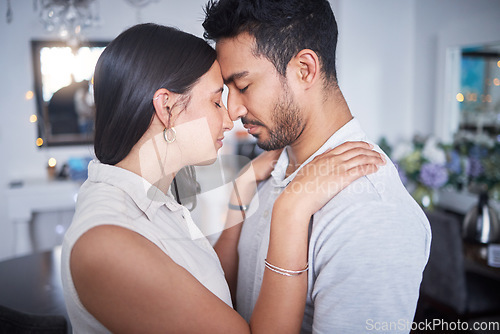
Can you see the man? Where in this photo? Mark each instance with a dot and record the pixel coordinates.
(370, 243)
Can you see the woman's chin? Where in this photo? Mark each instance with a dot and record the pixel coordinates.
(207, 162)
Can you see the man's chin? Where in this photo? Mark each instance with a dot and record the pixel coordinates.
(266, 145)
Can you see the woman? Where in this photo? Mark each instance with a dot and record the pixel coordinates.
(133, 260)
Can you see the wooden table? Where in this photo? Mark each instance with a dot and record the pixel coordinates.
(32, 284)
(475, 256)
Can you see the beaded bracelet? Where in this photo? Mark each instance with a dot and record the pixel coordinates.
(285, 272)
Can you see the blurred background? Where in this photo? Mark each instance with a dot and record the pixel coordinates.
(422, 77)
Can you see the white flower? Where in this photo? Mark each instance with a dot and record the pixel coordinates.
(485, 140)
(433, 152)
(402, 150)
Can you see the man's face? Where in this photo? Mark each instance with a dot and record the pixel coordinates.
(258, 94)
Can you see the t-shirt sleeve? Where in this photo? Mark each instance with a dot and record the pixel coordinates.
(367, 269)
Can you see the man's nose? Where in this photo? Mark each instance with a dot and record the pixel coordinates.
(235, 106)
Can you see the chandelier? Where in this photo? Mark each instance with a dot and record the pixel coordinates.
(139, 4)
(68, 17)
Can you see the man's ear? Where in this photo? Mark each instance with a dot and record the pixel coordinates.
(163, 102)
(306, 67)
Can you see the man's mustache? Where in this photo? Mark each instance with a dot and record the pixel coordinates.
(251, 122)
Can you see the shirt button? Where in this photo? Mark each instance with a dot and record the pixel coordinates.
(266, 214)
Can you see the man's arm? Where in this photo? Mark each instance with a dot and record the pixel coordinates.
(367, 268)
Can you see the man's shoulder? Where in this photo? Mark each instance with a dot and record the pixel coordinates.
(377, 204)
(381, 191)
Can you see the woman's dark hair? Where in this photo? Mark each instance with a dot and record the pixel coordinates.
(141, 60)
(281, 29)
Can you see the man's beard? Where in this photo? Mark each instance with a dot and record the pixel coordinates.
(287, 123)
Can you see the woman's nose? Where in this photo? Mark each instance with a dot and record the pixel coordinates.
(227, 123)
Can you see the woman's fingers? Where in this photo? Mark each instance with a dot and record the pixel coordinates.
(351, 145)
(331, 162)
(359, 171)
(329, 173)
(361, 160)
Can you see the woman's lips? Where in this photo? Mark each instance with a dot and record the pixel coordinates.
(219, 141)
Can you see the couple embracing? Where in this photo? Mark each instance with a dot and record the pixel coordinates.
(334, 240)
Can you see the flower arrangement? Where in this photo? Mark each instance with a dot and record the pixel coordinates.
(479, 158)
(425, 165)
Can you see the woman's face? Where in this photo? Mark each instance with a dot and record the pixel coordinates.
(201, 126)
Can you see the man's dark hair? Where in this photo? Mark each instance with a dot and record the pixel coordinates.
(281, 29)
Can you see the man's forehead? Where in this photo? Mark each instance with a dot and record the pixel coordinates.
(242, 45)
(234, 62)
(236, 56)
(242, 40)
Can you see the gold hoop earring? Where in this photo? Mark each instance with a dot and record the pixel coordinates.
(169, 135)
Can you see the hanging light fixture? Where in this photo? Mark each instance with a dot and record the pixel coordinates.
(139, 4)
(9, 12)
(68, 17)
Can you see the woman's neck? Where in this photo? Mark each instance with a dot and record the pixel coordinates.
(151, 160)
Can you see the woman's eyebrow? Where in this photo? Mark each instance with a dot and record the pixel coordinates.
(219, 90)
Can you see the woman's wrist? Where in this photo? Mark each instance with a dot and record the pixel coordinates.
(290, 216)
(292, 205)
(288, 238)
(244, 188)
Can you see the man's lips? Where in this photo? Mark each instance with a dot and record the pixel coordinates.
(251, 128)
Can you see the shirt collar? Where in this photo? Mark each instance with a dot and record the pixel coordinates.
(349, 132)
(145, 195)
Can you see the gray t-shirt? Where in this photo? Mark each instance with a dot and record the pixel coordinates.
(368, 248)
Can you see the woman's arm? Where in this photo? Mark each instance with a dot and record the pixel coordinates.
(244, 188)
(131, 286)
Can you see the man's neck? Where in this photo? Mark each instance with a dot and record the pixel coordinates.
(331, 116)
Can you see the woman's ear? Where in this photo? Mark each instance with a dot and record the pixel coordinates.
(163, 102)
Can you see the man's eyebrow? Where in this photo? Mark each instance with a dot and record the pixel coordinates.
(235, 76)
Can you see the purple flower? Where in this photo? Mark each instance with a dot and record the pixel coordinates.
(478, 152)
(433, 175)
(475, 167)
(455, 164)
(402, 174)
